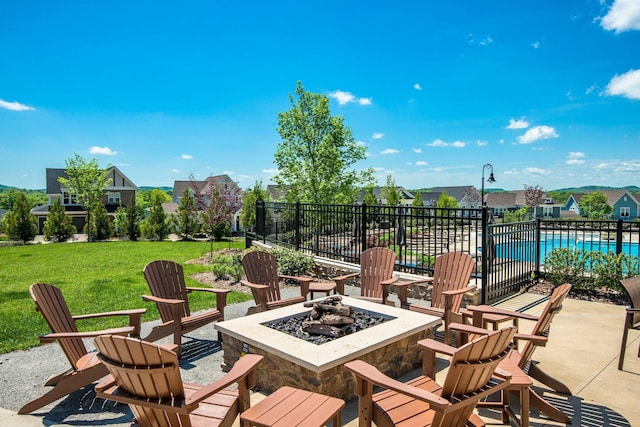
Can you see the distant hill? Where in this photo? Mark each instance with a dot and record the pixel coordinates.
(585, 189)
(148, 188)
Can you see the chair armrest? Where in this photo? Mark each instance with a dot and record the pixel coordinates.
(459, 291)
(386, 284)
(253, 285)
(362, 370)
(159, 300)
(538, 340)
(135, 317)
(501, 311)
(304, 283)
(242, 369)
(259, 294)
(403, 287)
(55, 336)
(633, 310)
(430, 348)
(340, 281)
(221, 296)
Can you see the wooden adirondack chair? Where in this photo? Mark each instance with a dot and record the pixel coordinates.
(85, 366)
(376, 275)
(450, 281)
(422, 401)
(632, 320)
(169, 292)
(261, 269)
(146, 376)
(520, 363)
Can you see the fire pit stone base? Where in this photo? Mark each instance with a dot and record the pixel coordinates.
(395, 359)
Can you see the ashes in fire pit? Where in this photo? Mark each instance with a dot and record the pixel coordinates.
(329, 319)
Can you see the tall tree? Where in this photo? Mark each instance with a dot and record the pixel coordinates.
(100, 226)
(58, 226)
(533, 197)
(187, 219)
(417, 200)
(595, 206)
(19, 222)
(446, 201)
(390, 192)
(156, 226)
(86, 182)
(249, 199)
(317, 153)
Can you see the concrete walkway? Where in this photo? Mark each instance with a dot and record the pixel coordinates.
(582, 352)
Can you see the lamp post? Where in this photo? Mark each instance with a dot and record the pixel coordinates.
(490, 180)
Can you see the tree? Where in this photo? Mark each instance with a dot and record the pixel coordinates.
(8, 197)
(187, 219)
(156, 227)
(519, 215)
(446, 201)
(128, 221)
(19, 223)
(533, 197)
(594, 206)
(417, 200)
(473, 197)
(144, 198)
(249, 200)
(100, 226)
(86, 182)
(390, 192)
(58, 226)
(317, 153)
(217, 215)
(369, 197)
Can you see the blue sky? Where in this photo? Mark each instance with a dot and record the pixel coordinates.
(546, 91)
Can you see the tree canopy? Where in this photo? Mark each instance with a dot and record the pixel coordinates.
(595, 206)
(317, 153)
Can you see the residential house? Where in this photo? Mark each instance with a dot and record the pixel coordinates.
(406, 198)
(466, 195)
(202, 191)
(501, 202)
(120, 192)
(626, 205)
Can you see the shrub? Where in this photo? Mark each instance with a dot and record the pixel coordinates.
(291, 262)
(58, 226)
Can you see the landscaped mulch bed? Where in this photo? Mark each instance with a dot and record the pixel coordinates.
(544, 287)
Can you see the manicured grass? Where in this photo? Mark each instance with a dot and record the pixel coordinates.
(93, 277)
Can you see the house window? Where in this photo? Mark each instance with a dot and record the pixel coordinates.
(625, 212)
(547, 211)
(113, 197)
(68, 199)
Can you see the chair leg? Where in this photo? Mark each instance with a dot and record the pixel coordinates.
(547, 408)
(544, 378)
(623, 347)
(65, 386)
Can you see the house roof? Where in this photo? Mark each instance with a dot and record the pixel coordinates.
(115, 175)
(501, 199)
(205, 187)
(377, 192)
(458, 192)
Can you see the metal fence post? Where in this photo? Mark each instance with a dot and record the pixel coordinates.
(296, 226)
(538, 246)
(485, 255)
(619, 237)
(363, 227)
(260, 221)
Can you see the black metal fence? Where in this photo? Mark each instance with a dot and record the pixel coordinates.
(509, 256)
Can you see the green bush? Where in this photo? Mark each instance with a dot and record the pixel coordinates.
(590, 269)
(224, 266)
(291, 262)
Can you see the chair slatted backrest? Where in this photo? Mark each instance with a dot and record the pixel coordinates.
(632, 287)
(376, 265)
(148, 371)
(543, 325)
(452, 271)
(166, 280)
(53, 307)
(261, 268)
(471, 369)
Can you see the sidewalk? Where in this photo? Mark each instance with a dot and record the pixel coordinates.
(582, 352)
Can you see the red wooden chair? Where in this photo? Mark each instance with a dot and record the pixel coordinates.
(376, 275)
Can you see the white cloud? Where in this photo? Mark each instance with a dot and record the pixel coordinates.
(438, 143)
(576, 158)
(627, 167)
(627, 85)
(175, 171)
(518, 124)
(482, 143)
(417, 150)
(421, 163)
(389, 151)
(377, 135)
(417, 86)
(344, 98)
(624, 15)
(270, 171)
(537, 133)
(535, 45)
(186, 156)
(105, 151)
(536, 171)
(14, 106)
(230, 173)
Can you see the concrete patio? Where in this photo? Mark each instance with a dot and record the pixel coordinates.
(582, 352)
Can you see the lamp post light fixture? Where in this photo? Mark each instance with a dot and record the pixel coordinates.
(490, 180)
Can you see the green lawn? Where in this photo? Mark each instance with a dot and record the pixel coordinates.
(93, 277)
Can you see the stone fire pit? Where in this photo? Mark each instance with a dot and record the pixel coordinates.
(391, 346)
